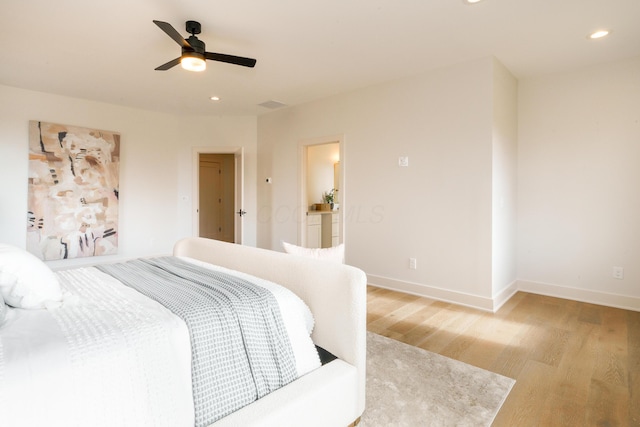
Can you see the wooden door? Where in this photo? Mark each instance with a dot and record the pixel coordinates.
(216, 196)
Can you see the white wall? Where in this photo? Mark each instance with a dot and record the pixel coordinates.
(530, 185)
(579, 184)
(438, 210)
(155, 170)
(504, 193)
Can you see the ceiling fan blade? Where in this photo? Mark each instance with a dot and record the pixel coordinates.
(170, 64)
(173, 33)
(231, 59)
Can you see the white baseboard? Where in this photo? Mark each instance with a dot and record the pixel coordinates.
(460, 298)
(582, 295)
(505, 295)
(494, 303)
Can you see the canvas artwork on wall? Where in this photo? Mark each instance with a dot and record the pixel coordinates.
(73, 191)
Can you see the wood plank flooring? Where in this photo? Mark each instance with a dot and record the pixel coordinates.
(575, 364)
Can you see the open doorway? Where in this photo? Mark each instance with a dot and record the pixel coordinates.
(321, 174)
(218, 193)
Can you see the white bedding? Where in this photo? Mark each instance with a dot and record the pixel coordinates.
(110, 356)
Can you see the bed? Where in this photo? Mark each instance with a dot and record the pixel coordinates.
(97, 351)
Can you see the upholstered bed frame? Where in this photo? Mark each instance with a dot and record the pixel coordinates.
(333, 395)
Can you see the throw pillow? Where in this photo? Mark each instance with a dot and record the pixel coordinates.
(26, 281)
(333, 254)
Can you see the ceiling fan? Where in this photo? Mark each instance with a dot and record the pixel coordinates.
(193, 50)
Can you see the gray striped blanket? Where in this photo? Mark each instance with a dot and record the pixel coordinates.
(240, 348)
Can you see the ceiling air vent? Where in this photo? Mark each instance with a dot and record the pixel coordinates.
(272, 105)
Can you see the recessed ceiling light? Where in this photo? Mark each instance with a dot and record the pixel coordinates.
(214, 98)
(472, 1)
(599, 34)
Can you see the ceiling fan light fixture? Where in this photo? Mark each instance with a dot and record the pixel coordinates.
(192, 61)
(599, 34)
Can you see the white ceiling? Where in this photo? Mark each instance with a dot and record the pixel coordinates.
(107, 50)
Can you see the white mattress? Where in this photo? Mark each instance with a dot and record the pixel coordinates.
(110, 356)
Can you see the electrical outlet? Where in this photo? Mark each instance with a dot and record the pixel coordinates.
(403, 161)
(618, 273)
(413, 264)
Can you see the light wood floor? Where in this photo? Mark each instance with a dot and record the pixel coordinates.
(575, 364)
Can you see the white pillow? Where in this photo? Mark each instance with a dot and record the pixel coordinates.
(25, 281)
(333, 254)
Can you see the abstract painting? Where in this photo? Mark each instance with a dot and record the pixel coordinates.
(73, 191)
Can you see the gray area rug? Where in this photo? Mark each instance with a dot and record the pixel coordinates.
(409, 386)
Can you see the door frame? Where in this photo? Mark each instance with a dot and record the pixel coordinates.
(238, 155)
(303, 146)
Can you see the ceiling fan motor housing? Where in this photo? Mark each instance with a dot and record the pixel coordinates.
(197, 46)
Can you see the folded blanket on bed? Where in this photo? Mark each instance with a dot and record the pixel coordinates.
(240, 350)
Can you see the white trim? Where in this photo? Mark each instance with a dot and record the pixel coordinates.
(238, 153)
(504, 295)
(498, 300)
(460, 298)
(583, 295)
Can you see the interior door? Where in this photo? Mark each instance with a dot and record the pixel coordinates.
(217, 196)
